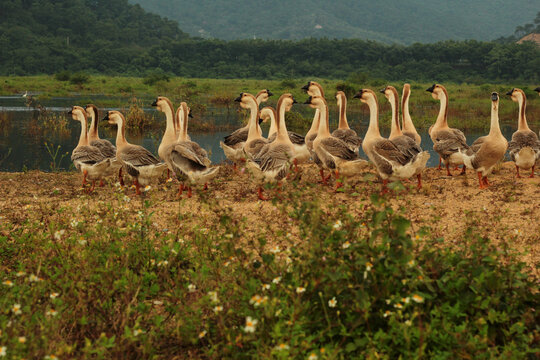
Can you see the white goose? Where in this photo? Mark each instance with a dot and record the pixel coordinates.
(138, 162)
(524, 148)
(393, 160)
(87, 159)
(488, 150)
(329, 152)
(237, 138)
(407, 126)
(449, 143)
(313, 88)
(105, 146)
(344, 132)
(272, 162)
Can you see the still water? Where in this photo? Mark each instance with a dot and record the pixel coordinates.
(22, 141)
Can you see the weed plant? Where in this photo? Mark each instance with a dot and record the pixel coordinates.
(102, 281)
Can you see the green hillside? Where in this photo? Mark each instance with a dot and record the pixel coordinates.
(390, 21)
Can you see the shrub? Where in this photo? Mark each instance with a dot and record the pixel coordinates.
(287, 84)
(347, 88)
(63, 75)
(79, 78)
(156, 76)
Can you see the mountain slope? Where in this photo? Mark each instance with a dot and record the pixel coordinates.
(390, 21)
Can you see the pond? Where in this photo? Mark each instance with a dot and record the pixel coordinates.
(23, 142)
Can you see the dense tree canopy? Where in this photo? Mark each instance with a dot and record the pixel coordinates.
(113, 37)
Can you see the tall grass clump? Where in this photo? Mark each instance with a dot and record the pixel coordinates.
(104, 281)
(136, 118)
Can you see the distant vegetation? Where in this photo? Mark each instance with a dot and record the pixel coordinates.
(76, 38)
(389, 21)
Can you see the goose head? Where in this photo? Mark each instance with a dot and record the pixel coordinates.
(267, 114)
(91, 111)
(537, 90)
(341, 98)
(186, 109)
(263, 95)
(162, 103)
(516, 94)
(246, 100)
(114, 117)
(286, 100)
(313, 88)
(436, 90)
(495, 100)
(365, 95)
(315, 102)
(390, 93)
(77, 113)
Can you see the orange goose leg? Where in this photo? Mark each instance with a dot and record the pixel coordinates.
(448, 170)
(517, 171)
(180, 190)
(137, 187)
(120, 177)
(532, 172)
(85, 174)
(481, 183)
(419, 177)
(440, 162)
(260, 194)
(189, 192)
(339, 184)
(463, 170)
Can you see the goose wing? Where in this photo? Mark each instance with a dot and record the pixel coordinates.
(338, 148)
(236, 137)
(255, 146)
(87, 155)
(388, 150)
(295, 138)
(105, 146)
(349, 136)
(448, 142)
(407, 146)
(136, 155)
(274, 158)
(182, 158)
(521, 139)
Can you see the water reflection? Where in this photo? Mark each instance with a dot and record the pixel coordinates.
(20, 131)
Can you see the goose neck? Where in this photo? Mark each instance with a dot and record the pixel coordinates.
(323, 121)
(343, 124)
(254, 130)
(442, 118)
(373, 128)
(522, 123)
(83, 138)
(394, 125)
(495, 128)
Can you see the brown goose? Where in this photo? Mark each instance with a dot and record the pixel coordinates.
(105, 146)
(272, 162)
(313, 88)
(487, 150)
(300, 149)
(87, 158)
(449, 143)
(238, 137)
(343, 131)
(407, 124)
(524, 148)
(392, 160)
(330, 152)
(181, 112)
(138, 162)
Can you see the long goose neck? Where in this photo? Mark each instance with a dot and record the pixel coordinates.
(273, 124)
(83, 138)
(179, 119)
(394, 126)
(406, 116)
(323, 122)
(442, 118)
(522, 124)
(315, 123)
(121, 134)
(186, 123)
(373, 128)
(254, 130)
(343, 124)
(282, 135)
(495, 128)
(169, 124)
(93, 133)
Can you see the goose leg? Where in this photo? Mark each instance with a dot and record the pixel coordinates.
(120, 177)
(205, 186)
(324, 179)
(463, 170)
(339, 184)
(384, 186)
(440, 161)
(486, 182)
(92, 187)
(137, 187)
(532, 172)
(189, 192)
(481, 184)
(517, 171)
(448, 170)
(260, 194)
(180, 190)
(295, 162)
(419, 177)
(85, 174)
(101, 183)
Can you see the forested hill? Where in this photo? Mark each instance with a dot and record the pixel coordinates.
(389, 21)
(41, 36)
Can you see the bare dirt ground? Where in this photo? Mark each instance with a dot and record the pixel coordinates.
(507, 212)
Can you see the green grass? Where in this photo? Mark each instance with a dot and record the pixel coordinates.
(105, 282)
(469, 106)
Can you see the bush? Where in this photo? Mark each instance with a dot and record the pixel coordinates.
(79, 78)
(287, 84)
(347, 88)
(63, 75)
(156, 76)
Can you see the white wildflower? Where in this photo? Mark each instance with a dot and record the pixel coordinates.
(332, 302)
(250, 324)
(337, 225)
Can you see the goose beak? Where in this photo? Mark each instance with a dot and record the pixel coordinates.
(430, 89)
(70, 112)
(269, 92)
(190, 116)
(294, 101)
(154, 103)
(260, 121)
(358, 95)
(537, 89)
(382, 91)
(106, 117)
(494, 96)
(308, 101)
(510, 92)
(305, 87)
(238, 99)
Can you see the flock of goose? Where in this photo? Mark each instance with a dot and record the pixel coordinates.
(273, 158)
